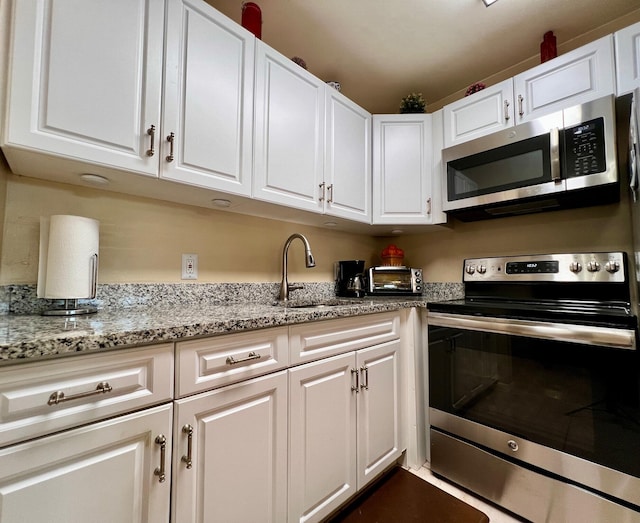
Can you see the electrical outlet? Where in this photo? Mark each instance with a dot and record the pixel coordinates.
(189, 266)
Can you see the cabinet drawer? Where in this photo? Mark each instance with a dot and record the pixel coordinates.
(212, 362)
(42, 398)
(311, 341)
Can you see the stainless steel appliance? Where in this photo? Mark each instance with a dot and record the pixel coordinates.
(394, 280)
(350, 278)
(534, 386)
(564, 159)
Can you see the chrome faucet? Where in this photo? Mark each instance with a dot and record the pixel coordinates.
(309, 262)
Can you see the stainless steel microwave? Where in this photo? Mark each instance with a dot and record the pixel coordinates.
(564, 159)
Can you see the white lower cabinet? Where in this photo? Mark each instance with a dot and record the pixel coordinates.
(343, 427)
(230, 453)
(105, 472)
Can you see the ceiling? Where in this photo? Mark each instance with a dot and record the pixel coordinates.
(381, 50)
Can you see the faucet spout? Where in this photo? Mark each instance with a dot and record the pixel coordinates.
(309, 262)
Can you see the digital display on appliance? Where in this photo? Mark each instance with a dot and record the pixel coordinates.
(585, 148)
(532, 267)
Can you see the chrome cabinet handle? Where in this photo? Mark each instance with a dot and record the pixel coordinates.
(330, 189)
(170, 139)
(151, 131)
(160, 472)
(252, 356)
(506, 111)
(321, 199)
(428, 206)
(520, 104)
(59, 397)
(365, 373)
(356, 389)
(188, 430)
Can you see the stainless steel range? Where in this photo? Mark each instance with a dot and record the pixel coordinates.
(534, 387)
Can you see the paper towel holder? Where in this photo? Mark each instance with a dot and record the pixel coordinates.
(70, 306)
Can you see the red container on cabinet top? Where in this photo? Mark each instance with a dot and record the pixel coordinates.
(252, 18)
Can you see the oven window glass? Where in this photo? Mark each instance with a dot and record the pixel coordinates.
(512, 166)
(578, 399)
(392, 280)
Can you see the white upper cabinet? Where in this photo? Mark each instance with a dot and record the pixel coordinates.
(85, 80)
(208, 110)
(288, 132)
(347, 166)
(579, 76)
(576, 77)
(627, 44)
(479, 114)
(402, 169)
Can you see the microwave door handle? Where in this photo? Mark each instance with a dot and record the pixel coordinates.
(554, 142)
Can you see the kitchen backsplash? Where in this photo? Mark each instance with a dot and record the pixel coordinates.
(22, 299)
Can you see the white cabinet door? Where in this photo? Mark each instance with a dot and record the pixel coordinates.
(208, 99)
(238, 445)
(102, 473)
(378, 410)
(627, 45)
(402, 163)
(347, 171)
(578, 76)
(322, 437)
(479, 114)
(288, 132)
(85, 80)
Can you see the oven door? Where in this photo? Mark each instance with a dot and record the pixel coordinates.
(569, 407)
(513, 164)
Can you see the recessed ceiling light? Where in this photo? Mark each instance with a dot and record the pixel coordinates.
(487, 3)
(221, 202)
(94, 179)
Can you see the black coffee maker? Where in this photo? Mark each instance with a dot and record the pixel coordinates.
(350, 278)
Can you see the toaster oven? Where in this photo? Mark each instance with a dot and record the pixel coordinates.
(391, 280)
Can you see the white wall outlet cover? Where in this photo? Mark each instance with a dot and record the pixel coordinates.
(189, 266)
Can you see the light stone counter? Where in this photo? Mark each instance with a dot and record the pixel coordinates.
(30, 336)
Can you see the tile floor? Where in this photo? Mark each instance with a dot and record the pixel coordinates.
(494, 513)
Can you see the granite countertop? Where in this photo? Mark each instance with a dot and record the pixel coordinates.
(28, 337)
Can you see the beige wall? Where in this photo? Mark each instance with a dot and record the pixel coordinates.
(441, 253)
(141, 240)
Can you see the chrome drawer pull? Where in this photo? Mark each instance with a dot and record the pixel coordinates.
(188, 430)
(59, 397)
(252, 356)
(162, 441)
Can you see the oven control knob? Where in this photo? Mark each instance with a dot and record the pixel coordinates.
(593, 266)
(513, 445)
(612, 266)
(575, 266)
(482, 269)
(470, 269)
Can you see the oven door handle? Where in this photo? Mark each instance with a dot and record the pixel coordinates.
(569, 332)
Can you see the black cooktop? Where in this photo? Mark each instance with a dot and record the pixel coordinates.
(583, 312)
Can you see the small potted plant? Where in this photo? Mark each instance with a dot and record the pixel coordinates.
(412, 103)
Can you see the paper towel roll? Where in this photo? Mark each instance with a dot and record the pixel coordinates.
(68, 254)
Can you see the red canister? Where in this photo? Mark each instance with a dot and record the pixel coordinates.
(548, 48)
(252, 18)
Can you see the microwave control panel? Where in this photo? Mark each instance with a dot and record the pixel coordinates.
(584, 148)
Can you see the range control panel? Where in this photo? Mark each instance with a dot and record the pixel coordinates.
(607, 267)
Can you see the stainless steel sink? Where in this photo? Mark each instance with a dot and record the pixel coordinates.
(324, 304)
